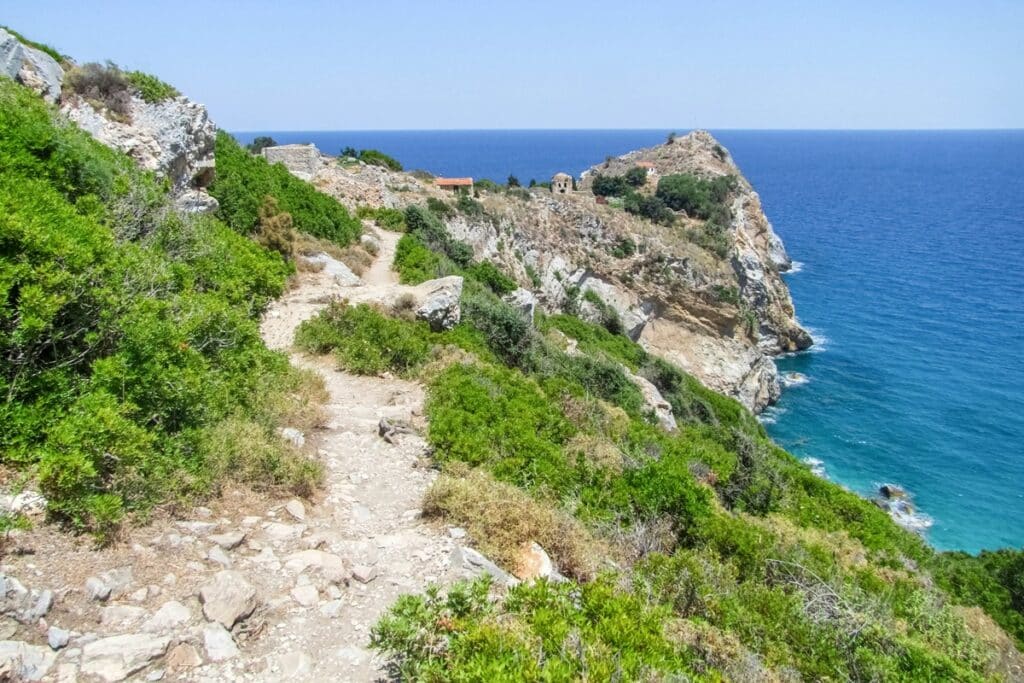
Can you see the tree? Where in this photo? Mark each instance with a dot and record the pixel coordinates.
(350, 152)
(671, 138)
(513, 181)
(636, 176)
(276, 232)
(261, 141)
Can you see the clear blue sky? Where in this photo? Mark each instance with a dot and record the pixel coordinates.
(387, 64)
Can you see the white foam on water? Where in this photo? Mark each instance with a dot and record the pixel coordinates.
(903, 511)
(794, 379)
(817, 467)
(795, 267)
(770, 415)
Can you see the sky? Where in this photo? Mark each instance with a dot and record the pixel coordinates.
(446, 64)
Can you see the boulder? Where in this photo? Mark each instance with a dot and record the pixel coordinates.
(332, 567)
(342, 274)
(306, 595)
(364, 573)
(171, 615)
(23, 662)
(477, 563)
(119, 616)
(183, 656)
(533, 563)
(524, 301)
(117, 657)
(296, 509)
(438, 302)
(228, 598)
(57, 637)
(110, 584)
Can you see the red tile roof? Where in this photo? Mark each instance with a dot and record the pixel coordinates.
(453, 182)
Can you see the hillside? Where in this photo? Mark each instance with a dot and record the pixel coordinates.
(495, 436)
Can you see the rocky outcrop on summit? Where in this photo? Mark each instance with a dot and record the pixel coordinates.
(30, 67)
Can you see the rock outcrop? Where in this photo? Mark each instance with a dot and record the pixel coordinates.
(174, 138)
(30, 66)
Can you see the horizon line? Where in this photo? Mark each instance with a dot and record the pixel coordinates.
(658, 130)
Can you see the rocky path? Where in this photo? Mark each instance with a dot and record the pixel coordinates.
(251, 589)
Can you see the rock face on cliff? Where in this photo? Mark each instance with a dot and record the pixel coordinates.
(718, 314)
(174, 138)
(30, 66)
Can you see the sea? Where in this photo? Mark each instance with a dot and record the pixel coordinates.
(909, 273)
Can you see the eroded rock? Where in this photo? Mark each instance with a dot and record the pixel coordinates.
(228, 598)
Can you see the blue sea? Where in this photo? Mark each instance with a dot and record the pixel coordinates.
(910, 251)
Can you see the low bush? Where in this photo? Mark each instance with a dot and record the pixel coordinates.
(259, 143)
(488, 274)
(365, 341)
(103, 85)
(377, 158)
(699, 198)
(541, 632)
(150, 88)
(500, 519)
(389, 219)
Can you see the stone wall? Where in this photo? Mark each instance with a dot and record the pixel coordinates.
(302, 160)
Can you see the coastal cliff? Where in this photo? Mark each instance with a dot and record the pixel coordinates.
(719, 313)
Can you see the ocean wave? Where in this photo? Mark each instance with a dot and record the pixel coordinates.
(817, 467)
(794, 379)
(897, 501)
(795, 267)
(770, 415)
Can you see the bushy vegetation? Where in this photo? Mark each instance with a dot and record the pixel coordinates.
(244, 181)
(129, 334)
(389, 219)
(150, 88)
(624, 187)
(102, 85)
(697, 197)
(373, 157)
(992, 579)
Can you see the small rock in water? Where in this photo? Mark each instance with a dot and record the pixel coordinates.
(892, 491)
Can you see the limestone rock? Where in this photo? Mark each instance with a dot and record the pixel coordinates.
(174, 138)
(219, 644)
(533, 563)
(117, 657)
(654, 401)
(342, 274)
(118, 616)
(109, 584)
(306, 595)
(229, 540)
(438, 302)
(30, 67)
(476, 562)
(183, 656)
(283, 532)
(331, 567)
(24, 662)
(524, 301)
(23, 503)
(364, 573)
(217, 554)
(296, 509)
(295, 664)
(171, 615)
(228, 598)
(57, 637)
(196, 201)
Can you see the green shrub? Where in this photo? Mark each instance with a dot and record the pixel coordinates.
(440, 208)
(699, 198)
(542, 632)
(469, 206)
(609, 186)
(414, 263)
(244, 180)
(389, 219)
(992, 579)
(150, 88)
(431, 232)
(635, 177)
(377, 158)
(487, 273)
(365, 341)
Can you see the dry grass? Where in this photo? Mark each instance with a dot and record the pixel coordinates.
(404, 306)
(500, 518)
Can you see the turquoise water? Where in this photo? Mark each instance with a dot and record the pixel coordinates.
(911, 245)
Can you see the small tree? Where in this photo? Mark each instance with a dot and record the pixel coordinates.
(261, 141)
(275, 231)
(636, 176)
(533, 182)
(671, 138)
(350, 152)
(513, 181)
